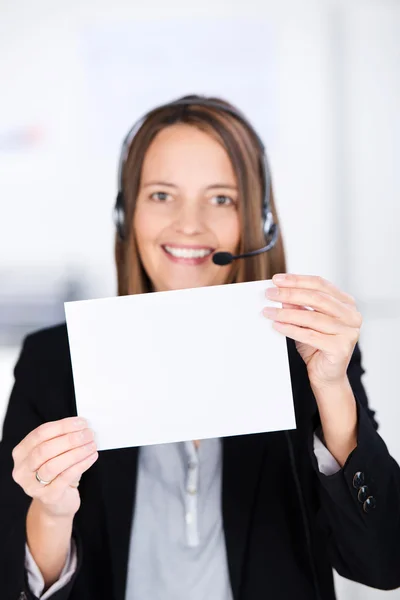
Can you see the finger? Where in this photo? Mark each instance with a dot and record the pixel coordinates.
(296, 306)
(46, 432)
(71, 477)
(67, 478)
(306, 318)
(315, 339)
(54, 467)
(319, 301)
(312, 282)
(57, 446)
(75, 484)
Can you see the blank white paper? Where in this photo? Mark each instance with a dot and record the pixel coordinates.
(180, 365)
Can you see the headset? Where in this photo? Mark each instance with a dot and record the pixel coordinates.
(269, 228)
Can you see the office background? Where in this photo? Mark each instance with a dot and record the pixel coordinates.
(320, 79)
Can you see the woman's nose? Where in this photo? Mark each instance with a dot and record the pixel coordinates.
(189, 220)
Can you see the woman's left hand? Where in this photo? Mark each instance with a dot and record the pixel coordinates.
(325, 336)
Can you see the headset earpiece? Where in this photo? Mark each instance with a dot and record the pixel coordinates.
(119, 216)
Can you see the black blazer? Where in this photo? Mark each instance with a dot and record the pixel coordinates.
(264, 529)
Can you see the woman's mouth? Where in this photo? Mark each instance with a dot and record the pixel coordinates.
(187, 255)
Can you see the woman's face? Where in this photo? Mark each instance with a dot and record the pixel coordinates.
(186, 209)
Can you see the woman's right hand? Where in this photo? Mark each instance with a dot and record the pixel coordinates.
(60, 452)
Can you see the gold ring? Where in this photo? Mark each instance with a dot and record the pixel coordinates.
(40, 480)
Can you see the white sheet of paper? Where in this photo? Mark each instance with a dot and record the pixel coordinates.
(181, 365)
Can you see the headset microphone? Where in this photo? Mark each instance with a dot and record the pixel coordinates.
(226, 258)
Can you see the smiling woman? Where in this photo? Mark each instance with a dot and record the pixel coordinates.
(266, 515)
(193, 184)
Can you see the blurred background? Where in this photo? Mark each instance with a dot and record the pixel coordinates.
(320, 79)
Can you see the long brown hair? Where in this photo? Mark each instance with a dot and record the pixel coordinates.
(247, 159)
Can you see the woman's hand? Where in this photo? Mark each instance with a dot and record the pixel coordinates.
(59, 452)
(325, 336)
(325, 339)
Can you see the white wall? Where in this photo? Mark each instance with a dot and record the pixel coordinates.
(67, 182)
(334, 150)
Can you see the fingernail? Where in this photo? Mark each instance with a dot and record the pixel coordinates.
(81, 423)
(272, 292)
(280, 277)
(269, 311)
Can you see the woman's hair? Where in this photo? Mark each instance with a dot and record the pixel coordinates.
(247, 160)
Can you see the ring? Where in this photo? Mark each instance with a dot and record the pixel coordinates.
(40, 480)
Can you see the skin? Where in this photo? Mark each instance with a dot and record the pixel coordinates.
(198, 210)
(61, 451)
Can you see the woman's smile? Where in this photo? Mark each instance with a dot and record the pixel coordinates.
(191, 255)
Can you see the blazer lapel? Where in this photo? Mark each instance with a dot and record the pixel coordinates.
(242, 460)
(118, 470)
(305, 406)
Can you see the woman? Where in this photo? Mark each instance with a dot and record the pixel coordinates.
(256, 516)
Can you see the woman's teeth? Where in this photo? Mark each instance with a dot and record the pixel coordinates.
(188, 252)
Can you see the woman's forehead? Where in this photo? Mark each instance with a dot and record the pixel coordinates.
(183, 151)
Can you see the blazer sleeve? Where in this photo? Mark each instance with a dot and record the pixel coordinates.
(22, 416)
(35, 578)
(360, 504)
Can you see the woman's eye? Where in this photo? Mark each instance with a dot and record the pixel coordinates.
(222, 200)
(159, 196)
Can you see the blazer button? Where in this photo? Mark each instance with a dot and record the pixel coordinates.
(358, 479)
(363, 493)
(369, 504)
